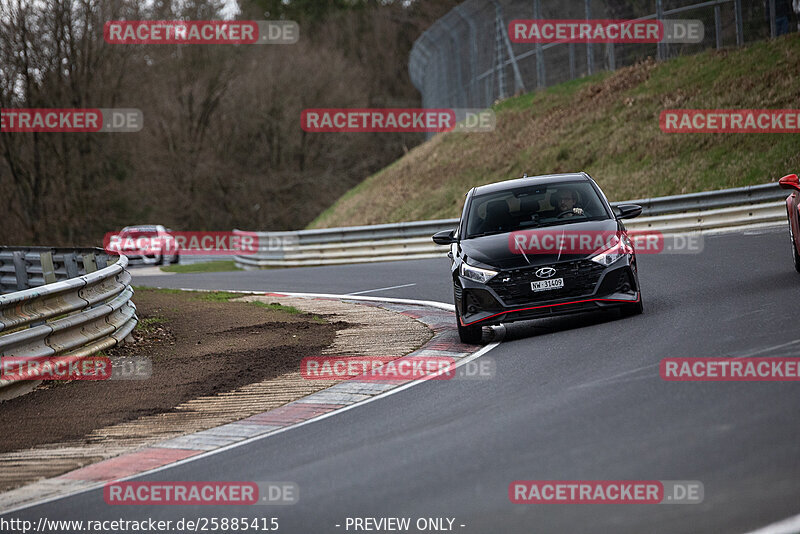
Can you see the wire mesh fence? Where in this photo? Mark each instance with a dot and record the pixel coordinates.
(468, 60)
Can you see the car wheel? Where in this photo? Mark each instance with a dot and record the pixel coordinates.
(470, 335)
(159, 259)
(629, 310)
(795, 255)
(176, 259)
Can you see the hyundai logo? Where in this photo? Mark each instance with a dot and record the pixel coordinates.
(545, 272)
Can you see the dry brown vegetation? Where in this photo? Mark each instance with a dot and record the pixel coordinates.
(222, 145)
(608, 126)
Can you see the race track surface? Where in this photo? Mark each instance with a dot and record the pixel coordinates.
(574, 398)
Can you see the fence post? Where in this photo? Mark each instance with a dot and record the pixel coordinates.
(589, 49)
(518, 84)
(612, 60)
(461, 95)
(773, 28)
(718, 26)
(473, 56)
(498, 48)
(571, 61)
(660, 16)
(541, 81)
(737, 9)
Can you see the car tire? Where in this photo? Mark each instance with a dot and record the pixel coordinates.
(796, 258)
(629, 310)
(159, 259)
(471, 335)
(176, 259)
(795, 255)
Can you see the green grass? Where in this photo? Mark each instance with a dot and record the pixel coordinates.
(215, 296)
(205, 267)
(606, 125)
(287, 309)
(146, 323)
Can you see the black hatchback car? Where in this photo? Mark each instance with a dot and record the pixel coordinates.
(537, 247)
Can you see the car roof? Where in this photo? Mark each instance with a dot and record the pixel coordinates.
(532, 180)
(143, 227)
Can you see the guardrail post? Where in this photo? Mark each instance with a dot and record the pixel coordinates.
(737, 10)
(71, 265)
(48, 271)
(718, 26)
(88, 263)
(20, 270)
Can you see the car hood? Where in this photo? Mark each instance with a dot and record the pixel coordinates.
(496, 250)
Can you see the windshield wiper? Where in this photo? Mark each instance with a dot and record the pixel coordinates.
(490, 233)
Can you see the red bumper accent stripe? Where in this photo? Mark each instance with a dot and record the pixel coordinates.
(548, 306)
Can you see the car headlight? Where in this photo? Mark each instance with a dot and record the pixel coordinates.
(476, 273)
(620, 246)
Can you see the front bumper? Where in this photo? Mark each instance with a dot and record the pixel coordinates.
(508, 297)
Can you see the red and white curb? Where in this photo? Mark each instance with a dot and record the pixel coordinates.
(346, 395)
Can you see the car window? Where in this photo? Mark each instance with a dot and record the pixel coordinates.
(534, 207)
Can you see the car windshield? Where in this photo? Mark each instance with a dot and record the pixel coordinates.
(534, 207)
(139, 232)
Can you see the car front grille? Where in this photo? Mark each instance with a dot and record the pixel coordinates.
(580, 278)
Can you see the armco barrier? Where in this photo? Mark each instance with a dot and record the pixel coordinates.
(726, 208)
(71, 303)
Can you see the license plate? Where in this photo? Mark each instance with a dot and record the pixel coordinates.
(545, 285)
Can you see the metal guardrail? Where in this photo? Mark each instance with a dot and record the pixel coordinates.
(412, 240)
(706, 200)
(71, 303)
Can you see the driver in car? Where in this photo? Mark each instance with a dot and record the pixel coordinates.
(566, 200)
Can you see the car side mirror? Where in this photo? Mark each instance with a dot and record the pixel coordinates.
(789, 181)
(628, 211)
(445, 237)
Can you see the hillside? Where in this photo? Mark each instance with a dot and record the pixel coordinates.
(607, 125)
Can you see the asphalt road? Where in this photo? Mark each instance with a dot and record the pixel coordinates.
(574, 398)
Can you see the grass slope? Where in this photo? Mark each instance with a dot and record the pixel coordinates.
(607, 125)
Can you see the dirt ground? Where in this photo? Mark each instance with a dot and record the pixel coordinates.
(198, 346)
